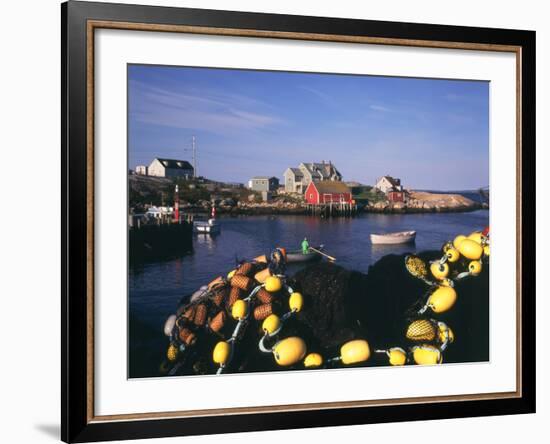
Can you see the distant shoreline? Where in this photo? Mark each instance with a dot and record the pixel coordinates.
(146, 191)
(281, 211)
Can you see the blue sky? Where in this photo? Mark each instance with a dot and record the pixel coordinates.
(433, 134)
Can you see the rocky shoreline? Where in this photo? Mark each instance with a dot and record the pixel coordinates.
(245, 202)
(419, 202)
(424, 202)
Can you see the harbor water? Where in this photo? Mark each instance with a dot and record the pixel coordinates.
(156, 288)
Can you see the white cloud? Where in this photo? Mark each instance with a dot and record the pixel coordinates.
(205, 109)
(379, 108)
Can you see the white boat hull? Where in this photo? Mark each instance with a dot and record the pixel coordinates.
(402, 237)
(206, 227)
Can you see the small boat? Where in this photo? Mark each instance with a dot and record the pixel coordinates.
(210, 226)
(401, 237)
(296, 256)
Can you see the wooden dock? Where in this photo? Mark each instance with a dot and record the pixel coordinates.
(332, 209)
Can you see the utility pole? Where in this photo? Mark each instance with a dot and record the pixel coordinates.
(194, 159)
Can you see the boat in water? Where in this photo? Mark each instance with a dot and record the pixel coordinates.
(400, 237)
(297, 256)
(210, 226)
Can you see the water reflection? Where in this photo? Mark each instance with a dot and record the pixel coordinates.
(380, 250)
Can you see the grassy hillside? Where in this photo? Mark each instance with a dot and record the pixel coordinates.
(365, 193)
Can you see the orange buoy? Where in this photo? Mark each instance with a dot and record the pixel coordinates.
(217, 322)
(200, 315)
(219, 296)
(263, 311)
(245, 269)
(234, 296)
(242, 282)
(187, 336)
(264, 296)
(214, 283)
(189, 312)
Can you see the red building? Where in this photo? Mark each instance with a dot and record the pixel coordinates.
(327, 191)
(396, 196)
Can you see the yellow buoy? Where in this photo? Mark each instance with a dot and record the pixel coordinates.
(447, 246)
(172, 352)
(477, 236)
(475, 267)
(355, 351)
(271, 324)
(221, 352)
(470, 249)
(445, 334)
(439, 271)
(289, 351)
(442, 299)
(458, 240)
(296, 301)
(239, 309)
(446, 282)
(421, 330)
(273, 284)
(427, 355)
(231, 273)
(397, 356)
(487, 250)
(452, 255)
(313, 360)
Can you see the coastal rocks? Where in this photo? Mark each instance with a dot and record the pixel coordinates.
(424, 202)
(398, 206)
(380, 206)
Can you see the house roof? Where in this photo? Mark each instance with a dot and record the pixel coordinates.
(297, 172)
(175, 164)
(331, 186)
(395, 182)
(322, 170)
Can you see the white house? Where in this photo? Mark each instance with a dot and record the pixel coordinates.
(141, 170)
(388, 183)
(263, 183)
(297, 179)
(170, 168)
(158, 212)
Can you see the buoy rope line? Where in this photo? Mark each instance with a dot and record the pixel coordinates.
(262, 294)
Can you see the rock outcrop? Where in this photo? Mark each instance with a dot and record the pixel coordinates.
(424, 202)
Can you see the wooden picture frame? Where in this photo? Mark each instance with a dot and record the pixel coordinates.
(79, 22)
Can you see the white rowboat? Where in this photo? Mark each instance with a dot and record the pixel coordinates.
(401, 237)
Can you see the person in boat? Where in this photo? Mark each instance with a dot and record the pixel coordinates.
(305, 246)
